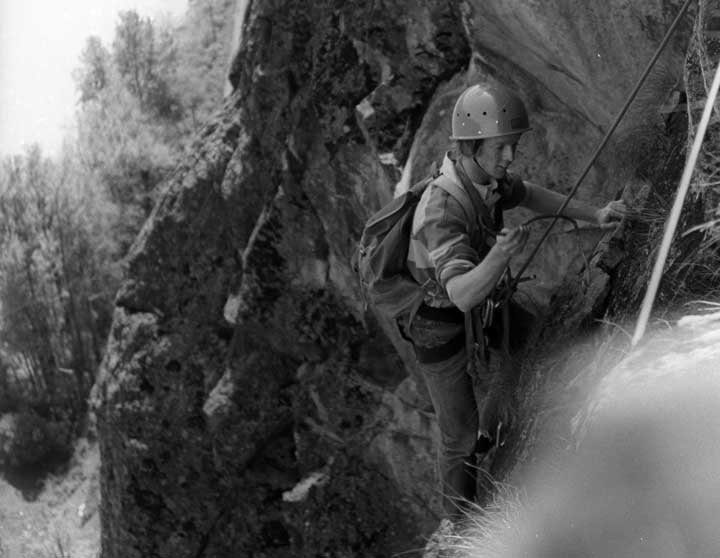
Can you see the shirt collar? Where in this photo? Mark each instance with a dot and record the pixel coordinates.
(448, 169)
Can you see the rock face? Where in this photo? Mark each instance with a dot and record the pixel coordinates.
(248, 405)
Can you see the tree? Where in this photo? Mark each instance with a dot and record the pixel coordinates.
(142, 59)
(93, 74)
(52, 274)
(203, 50)
(125, 153)
(65, 225)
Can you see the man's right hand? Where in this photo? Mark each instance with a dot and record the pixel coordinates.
(512, 241)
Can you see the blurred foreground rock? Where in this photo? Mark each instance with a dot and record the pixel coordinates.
(643, 482)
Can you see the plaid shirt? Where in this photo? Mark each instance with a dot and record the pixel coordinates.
(443, 244)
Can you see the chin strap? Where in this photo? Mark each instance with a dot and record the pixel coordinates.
(482, 169)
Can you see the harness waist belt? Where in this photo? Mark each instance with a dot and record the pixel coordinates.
(430, 355)
(449, 314)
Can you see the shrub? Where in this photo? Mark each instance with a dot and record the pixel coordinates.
(29, 440)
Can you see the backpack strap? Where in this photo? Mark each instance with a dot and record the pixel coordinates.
(475, 209)
(449, 185)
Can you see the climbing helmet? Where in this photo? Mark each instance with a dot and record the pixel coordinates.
(488, 111)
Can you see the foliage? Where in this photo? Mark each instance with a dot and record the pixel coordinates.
(144, 58)
(92, 76)
(141, 100)
(122, 153)
(26, 440)
(203, 41)
(66, 225)
(55, 285)
(701, 268)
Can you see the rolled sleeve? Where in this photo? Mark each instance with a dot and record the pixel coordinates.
(445, 236)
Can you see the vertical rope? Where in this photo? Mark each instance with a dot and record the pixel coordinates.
(674, 217)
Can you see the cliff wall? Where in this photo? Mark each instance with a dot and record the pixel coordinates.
(248, 404)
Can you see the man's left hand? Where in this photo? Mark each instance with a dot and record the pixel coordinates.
(610, 216)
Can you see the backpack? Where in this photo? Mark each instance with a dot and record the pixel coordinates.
(381, 258)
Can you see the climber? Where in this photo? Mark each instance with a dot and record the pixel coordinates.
(459, 264)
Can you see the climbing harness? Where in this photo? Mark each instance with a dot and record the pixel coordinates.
(674, 217)
(608, 134)
(506, 286)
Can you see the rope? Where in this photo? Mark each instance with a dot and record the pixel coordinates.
(605, 140)
(494, 234)
(674, 217)
(511, 285)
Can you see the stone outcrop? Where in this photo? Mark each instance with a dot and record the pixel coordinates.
(248, 404)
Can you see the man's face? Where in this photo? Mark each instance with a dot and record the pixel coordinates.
(495, 154)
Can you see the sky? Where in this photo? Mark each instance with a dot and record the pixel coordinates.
(40, 45)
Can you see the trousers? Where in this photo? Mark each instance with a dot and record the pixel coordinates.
(456, 397)
(460, 398)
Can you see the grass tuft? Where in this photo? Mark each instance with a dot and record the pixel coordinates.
(59, 548)
(490, 531)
